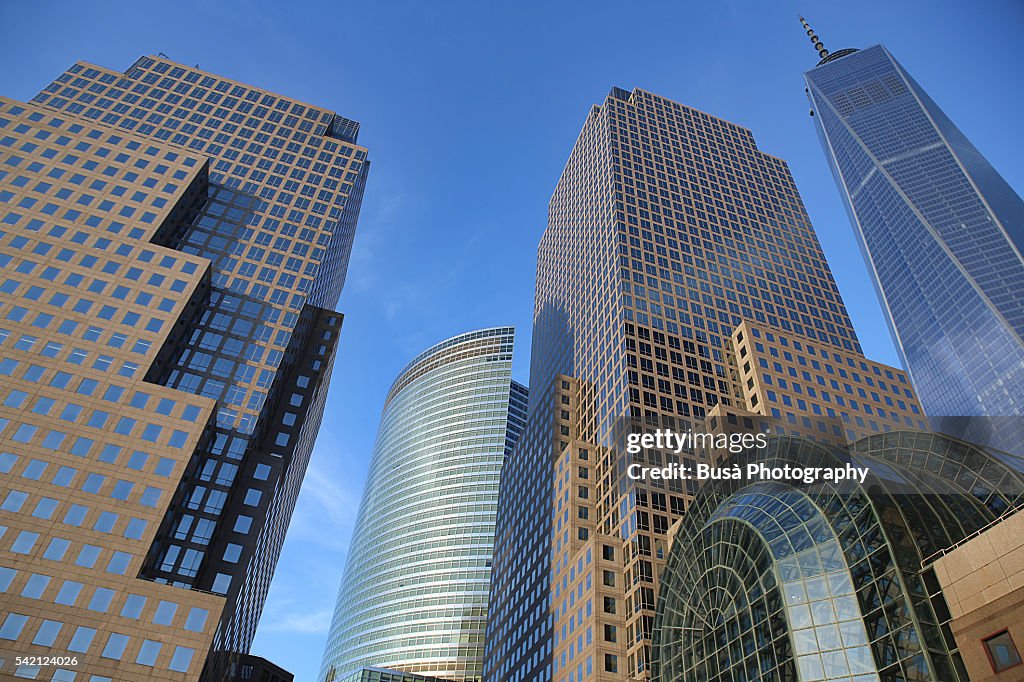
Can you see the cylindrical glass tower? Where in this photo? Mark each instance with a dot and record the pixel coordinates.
(414, 594)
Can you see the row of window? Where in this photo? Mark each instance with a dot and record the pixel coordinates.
(70, 591)
(83, 638)
(88, 556)
(45, 508)
(98, 419)
(63, 476)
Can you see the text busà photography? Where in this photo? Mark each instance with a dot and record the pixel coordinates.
(511, 342)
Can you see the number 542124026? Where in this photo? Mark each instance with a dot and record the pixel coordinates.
(45, 661)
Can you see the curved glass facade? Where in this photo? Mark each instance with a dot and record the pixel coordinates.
(771, 581)
(414, 594)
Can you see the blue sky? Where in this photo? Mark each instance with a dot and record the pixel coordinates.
(469, 110)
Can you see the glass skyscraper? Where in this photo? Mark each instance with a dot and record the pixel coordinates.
(174, 243)
(667, 231)
(941, 231)
(414, 594)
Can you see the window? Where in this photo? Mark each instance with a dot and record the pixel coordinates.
(105, 522)
(221, 583)
(35, 586)
(47, 633)
(82, 640)
(45, 508)
(165, 613)
(232, 552)
(6, 578)
(24, 433)
(148, 653)
(115, 646)
(75, 515)
(135, 529)
(1002, 652)
(122, 489)
(93, 483)
(14, 500)
(133, 606)
(87, 556)
(101, 599)
(12, 626)
(24, 543)
(69, 592)
(182, 659)
(34, 470)
(150, 497)
(56, 549)
(196, 620)
(7, 460)
(119, 563)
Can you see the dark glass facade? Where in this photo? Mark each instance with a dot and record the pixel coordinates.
(276, 218)
(941, 231)
(829, 581)
(248, 668)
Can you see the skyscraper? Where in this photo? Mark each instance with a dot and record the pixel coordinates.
(667, 231)
(176, 242)
(941, 231)
(414, 595)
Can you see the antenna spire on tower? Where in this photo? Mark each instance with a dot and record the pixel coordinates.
(815, 40)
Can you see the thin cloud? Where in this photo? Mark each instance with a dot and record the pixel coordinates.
(300, 622)
(329, 500)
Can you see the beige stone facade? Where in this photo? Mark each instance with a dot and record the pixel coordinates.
(587, 607)
(812, 388)
(91, 453)
(982, 581)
